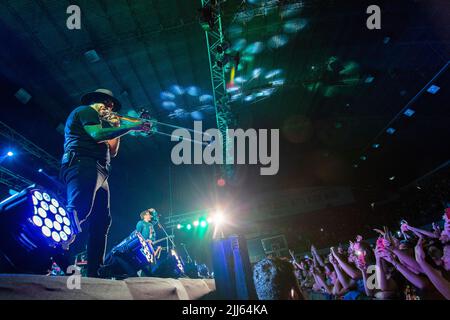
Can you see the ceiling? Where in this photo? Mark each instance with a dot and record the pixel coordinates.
(336, 86)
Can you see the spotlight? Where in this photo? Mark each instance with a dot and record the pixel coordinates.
(203, 224)
(195, 223)
(221, 48)
(209, 220)
(189, 227)
(179, 226)
(218, 218)
(207, 17)
(40, 170)
(10, 154)
(34, 229)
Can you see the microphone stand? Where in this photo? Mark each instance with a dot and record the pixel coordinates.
(187, 253)
(167, 235)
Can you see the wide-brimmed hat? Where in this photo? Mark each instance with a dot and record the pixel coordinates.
(100, 95)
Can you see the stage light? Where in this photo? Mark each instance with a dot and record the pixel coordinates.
(189, 227)
(178, 226)
(409, 112)
(433, 89)
(390, 130)
(376, 145)
(31, 230)
(40, 170)
(363, 158)
(209, 220)
(218, 217)
(203, 224)
(10, 154)
(392, 178)
(195, 223)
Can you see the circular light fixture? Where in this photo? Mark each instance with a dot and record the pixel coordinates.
(67, 230)
(48, 223)
(57, 225)
(195, 223)
(62, 211)
(46, 231)
(53, 209)
(55, 203)
(66, 221)
(42, 213)
(37, 221)
(59, 218)
(44, 205)
(55, 236)
(63, 236)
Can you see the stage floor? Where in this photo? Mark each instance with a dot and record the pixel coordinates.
(37, 287)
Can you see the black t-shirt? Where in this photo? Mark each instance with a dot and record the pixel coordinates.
(78, 140)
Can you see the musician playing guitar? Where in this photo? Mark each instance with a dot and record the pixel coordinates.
(145, 226)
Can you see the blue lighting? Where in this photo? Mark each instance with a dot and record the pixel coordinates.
(278, 41)
(205, 98)
(369, 79)
(256, 72)
(239, 44)
(273, 73)
(376, 145)
(409, 112)
(433, 89)
(232, 89)
(10, 154)
(279, 82)
(197, 115)
(390, 130)
(40, 170)
(177, 90)
(293, 26)
(193, 91)
(249, 98)
(169, 105)
(165, 95)
(254, 48)
(240, 79)
(236, 96)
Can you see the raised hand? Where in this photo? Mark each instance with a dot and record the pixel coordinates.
(419, 252)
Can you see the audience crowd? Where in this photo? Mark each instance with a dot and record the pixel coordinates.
(411, 264)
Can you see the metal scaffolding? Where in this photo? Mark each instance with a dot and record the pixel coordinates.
(12, 135)
(13, 180)
(224, 116)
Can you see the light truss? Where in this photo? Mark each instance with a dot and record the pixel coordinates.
(13, 180)
(224, 116)
(28, 146)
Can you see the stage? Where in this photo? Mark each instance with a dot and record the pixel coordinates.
(39, 287)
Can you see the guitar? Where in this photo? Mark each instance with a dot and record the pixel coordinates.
(156, 253)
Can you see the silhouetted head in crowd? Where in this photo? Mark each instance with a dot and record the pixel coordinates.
(275, 279)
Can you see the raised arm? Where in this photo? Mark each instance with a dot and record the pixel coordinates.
(353, 272)
(436, 278)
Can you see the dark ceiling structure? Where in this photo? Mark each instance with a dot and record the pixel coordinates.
(309, 68)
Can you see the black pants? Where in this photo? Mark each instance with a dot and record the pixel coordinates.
(88, 196)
